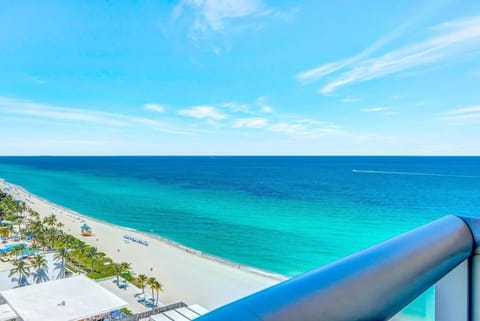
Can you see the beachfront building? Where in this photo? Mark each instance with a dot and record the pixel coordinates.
(186, 313)
(74, 298)
(53, 269)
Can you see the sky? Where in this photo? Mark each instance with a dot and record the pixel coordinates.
(240, 77)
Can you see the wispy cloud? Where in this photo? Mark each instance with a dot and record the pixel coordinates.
(462, 111)
(321, 71)
(155, 107)
(374, 109)
(14, 106)
(203, 112)
(451, 39)
(207, 17)
(33, 79)
(213, 15)
(306, 128)
(33, 109)
(462, 116)
(250, 123)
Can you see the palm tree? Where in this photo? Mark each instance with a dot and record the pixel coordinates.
(157, 286)
(81, 250)
(118, 270)
(53, 235)
(4, 231)
(11, 229)
(34, 247)
(39, 263)
(18, 249)
(59, 225)
(61, 255)
(20, 268)
(151, 281)
(81, 247)
(142, 281)
(33, 214)
(36, 228)
(124, 268)
(22, 207)
(18, 221)
(64, 241)
(51, 221)
(93, 255)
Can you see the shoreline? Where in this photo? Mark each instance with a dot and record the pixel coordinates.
(218, 281)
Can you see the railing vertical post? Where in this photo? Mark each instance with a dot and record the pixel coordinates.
(452, 294)
(474, 226)
(475, 287)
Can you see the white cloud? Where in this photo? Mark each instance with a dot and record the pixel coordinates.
(266, 109)
(462, 116)
(374, 109)
(262, 104)
(250, 123)
(155, 107)
(237, 107)
(348, 100)
(203, 112)
(306, 128)
(450, 40)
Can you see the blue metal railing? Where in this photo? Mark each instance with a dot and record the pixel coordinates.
(374, 284)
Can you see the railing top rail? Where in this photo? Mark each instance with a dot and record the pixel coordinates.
(373, 284)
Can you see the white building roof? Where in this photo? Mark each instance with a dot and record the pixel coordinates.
(175, 316)
(159, 317)
(72, 299)
(6, 313)
(188, 313)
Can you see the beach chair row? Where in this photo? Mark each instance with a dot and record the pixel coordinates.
(146, 300)
(133, 239)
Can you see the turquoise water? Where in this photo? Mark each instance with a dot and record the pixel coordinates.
(281, 214)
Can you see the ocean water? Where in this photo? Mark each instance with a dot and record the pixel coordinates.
(282, 214)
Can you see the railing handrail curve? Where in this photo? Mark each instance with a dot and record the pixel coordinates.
(373, 284)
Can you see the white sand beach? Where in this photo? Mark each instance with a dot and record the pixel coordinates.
(186, 275)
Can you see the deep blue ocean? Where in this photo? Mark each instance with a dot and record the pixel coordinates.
(281, 214)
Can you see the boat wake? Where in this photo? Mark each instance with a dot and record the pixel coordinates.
(412, 173)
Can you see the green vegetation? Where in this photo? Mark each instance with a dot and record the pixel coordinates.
(75, 254)
(126, 311)
(21, 269)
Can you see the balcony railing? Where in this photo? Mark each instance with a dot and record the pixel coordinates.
(378, 282)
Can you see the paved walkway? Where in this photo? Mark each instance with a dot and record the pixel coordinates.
(126, 294)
